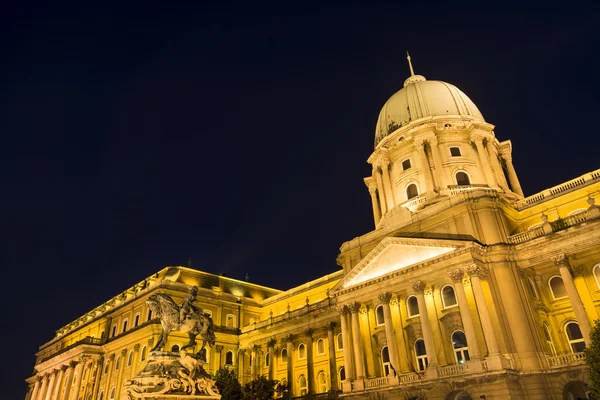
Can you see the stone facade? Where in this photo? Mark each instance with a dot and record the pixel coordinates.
(465, 289)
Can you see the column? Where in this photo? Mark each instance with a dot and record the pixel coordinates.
(465, 314)
(330, 326)
(562, 262)
(348, 362)
(437, 163)
(382, 201)
(69, 379)
(310, 370)
(387, 183)
(357, 345)
(418, 287)
(485, 162)
(420, 144)
(111, 361)
(43, 389)
(58, 384)
(375, 204)
(36, 388)
(288, 339)
(99, 364)
(512, 175)
(240, 365)
(521, 330)
(78, 378)
(496, 166)
(121, 371)
(389, 330)
(50, 389)
(271, 349)
(219, 350)
(477, 272)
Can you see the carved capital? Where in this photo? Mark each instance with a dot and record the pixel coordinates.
(561, 261)
(343, 310)
(84, 358)
(385, 297)
(241, 352)
(289, 338)
(112, 357)
(418, 286)
(256, 347)
(63, 368)
(271, 342)
(456, 275)
(330, 325)
(150, 341)
(73, 363)
(354, 307)
(432, 141)
(309, 332)
(419, 142)
(100, 361)
(55, 372)
(218, 348)
(124, 352)
(136, 348)
(477, 270)
(477, 139)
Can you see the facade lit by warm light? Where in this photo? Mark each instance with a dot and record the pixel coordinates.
(464, 289)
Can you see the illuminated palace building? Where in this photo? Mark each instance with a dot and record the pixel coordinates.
(464, 289)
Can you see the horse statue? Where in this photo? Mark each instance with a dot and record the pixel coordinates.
(186, 318)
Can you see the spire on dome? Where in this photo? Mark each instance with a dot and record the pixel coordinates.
(412, 72)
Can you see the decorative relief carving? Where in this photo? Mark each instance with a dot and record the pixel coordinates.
(124, 352)
(342, 310)
(466, 281)
(112, 357)
(394, 301)
(429, 292)
(136, 348)
(456, 275)
(477, 270)
(418, 286)
(385, 297)
(561, 260)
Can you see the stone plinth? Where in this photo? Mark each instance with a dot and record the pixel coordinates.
(171, 376)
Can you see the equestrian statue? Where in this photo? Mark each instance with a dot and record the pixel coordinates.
(187, 318)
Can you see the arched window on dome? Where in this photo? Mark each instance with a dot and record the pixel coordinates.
(462, 178)
(557, 287)
(448, 296)
(412, 305)
(574, 337)
(379, 316)
(411, 191)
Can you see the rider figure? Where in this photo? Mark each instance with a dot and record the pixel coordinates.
(187, 307)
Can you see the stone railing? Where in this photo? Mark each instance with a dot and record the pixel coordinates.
(409, 377)
(452, 370)
(576, 219)
(558, 190)
(525, 236)
(376, 382)
(566, 359)
(89, 340)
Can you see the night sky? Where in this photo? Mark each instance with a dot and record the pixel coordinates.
(237, 134)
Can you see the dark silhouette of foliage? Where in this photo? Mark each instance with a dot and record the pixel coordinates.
(592, 359)
(228, 384)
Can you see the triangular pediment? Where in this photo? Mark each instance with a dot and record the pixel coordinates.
(394, 254)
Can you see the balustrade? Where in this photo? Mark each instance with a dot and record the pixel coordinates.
(566, 359)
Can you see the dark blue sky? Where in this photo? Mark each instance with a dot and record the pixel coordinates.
(134, 137)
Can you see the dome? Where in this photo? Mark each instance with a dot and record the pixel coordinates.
(420, 98)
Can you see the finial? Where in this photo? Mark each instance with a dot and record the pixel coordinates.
(412, 71)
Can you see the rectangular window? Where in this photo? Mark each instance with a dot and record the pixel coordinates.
(125, 326)
(406, 164)
(455, 152)
(114, 331)
(149, 315)
(136, 320)
(230, 322)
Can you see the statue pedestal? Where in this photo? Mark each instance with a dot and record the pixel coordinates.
(171, 376)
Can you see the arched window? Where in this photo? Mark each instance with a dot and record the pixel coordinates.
(229, 358)
(574, 337)
(421, 355)
(320, 347)
(411, 191)
(101, 396)
(321, 382)
(130, 358)
(385, 360)
(301, 351)
(548, 338)
(143, 357)
(302, 388)
(125, 325)
(231, 321)
(175, 348)
(532, 289)
(412, 306)
(267, 359)
(339, 342)
(112, 393)
(114, 331)
(461, 350)
(557, 287)
(284, 356)
(136, 320)
(118, 363)
(106, 366)
(462, 179)
(448, 296)
(379, 317)
(341, 374)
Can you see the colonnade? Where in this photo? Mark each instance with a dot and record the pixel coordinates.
(65, 382)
